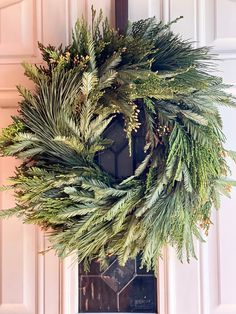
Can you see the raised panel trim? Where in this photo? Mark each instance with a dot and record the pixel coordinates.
(165, 11)
(14, 309)
(29, 280)
(9, 98)
(206, 31)
(225, 308)
(166, 282)
(29, 53)
(7, 3)
(204, 279)
(69, 286)
(225, 45)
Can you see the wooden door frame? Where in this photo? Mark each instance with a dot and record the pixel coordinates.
(121, 14)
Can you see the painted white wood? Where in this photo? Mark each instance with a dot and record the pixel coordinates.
(69, 286)
(30, 282)
(139, 9)
(219, 30)
(18, 251)
(208, 285)
(187, 9)
(34, 283)
(18, 39)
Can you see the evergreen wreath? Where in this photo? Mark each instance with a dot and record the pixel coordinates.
(60, 130)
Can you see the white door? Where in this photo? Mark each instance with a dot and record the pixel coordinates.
(206, 286)
(31, 283)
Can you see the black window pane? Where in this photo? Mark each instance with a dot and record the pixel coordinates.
(117, 288)
(139, 295)
(96, 295)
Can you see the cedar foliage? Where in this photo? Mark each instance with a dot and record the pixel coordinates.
(60, 129)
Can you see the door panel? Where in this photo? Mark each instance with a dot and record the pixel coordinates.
(17, 38)
(29, 281)
(206, 286)
(17, 244)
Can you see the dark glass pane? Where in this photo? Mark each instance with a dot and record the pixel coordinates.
(117, 288)
(139, 295)
(108, 161)
(96, 295)
(124, 163)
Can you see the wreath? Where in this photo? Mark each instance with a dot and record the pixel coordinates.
(147, 72)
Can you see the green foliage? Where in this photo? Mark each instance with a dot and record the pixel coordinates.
(60, 129)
